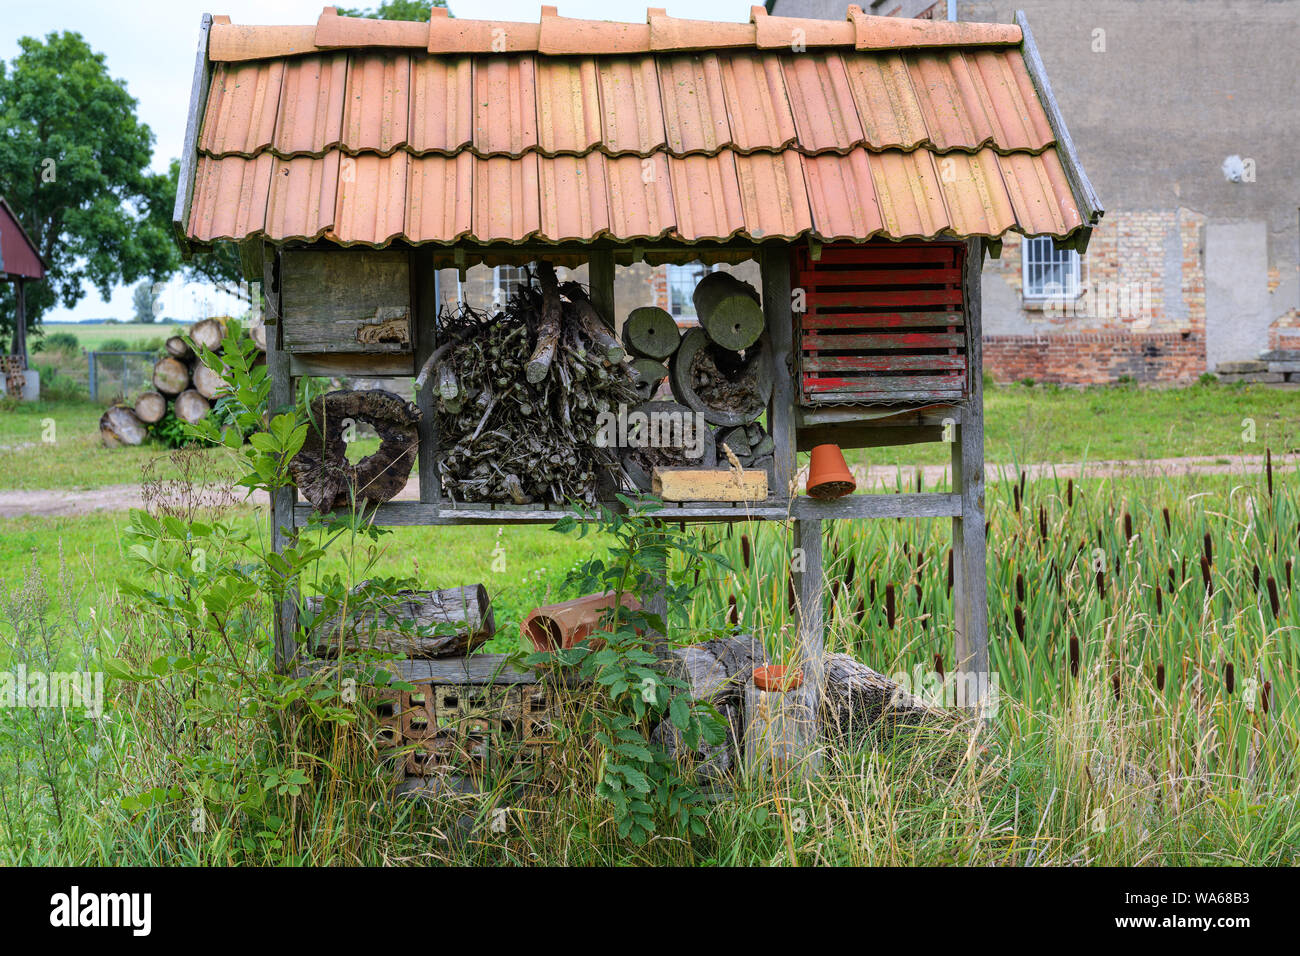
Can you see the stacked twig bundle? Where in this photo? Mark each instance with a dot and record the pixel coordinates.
(520, 396)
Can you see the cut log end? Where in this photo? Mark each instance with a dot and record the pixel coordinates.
(190, 406)
(120, 426)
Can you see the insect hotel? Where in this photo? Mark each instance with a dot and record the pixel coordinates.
(866, 165)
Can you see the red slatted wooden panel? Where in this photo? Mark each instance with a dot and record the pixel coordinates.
(882, 323)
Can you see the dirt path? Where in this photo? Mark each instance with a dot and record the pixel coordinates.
(18, 504)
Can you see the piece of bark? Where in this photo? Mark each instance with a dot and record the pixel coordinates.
(150, 407)
(728, 310)
(648, 374)
(208, 333)
(171, 376)
(120, 426)
(651, 333)
(207, 382)
(548, 328)
(415, 624)
(178, 348)
(321, 469)
(190, 406)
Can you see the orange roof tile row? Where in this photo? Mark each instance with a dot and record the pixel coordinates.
(940, 133)
(373, 199)
(561, 36)
(383, 100)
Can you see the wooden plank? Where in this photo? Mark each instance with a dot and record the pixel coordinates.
(600, 281)
(881, 363)
(190, 148)
(926, 395)
(815, 319)
(333, 364)
(809, 585)
(347, 300)
(475, 669)
(877, 298)
(282, 499)
(909, 252)
(709, 484)
(914, 505)
(775, 266)
(833, 278)
(886, 385)
(424, 299)
(867, 436)
(820, 342)
(970, 581)
(420, 514)
(937, 415)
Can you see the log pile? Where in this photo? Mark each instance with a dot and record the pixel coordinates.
(519, 397)
(720, 370)
(182, 385)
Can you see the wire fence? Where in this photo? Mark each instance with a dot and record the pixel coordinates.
(119, 376)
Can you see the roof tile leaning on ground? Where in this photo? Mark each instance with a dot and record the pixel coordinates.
(364, 131)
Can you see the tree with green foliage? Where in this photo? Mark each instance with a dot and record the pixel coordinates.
(74, 161)
(142, 302)
(396, 10)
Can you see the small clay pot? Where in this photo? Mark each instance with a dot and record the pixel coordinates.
(828, 474)
(563, 625)
(777, 678)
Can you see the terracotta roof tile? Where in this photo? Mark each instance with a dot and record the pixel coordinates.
(442, 104)
(303, 191)
(310, 118)
(574, 199)
(568, 105)
(822, 102)
(757, 106)
(242, 105)
(376, 106)
(439, 197)
(694, 103)
(505, 105)
(570, 130)
(632, 114)
(640, 197)
(506, 206)
(371, 205)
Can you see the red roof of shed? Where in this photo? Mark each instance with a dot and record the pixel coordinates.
(18, 256)
(364, 131)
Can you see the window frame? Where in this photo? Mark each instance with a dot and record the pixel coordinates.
(690, 318)
(1071, 257)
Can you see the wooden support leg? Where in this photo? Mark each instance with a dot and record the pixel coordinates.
(970, 583)
(808, 587)
(283, 499)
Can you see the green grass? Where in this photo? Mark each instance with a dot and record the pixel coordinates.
(1039, 424)
(135, 334)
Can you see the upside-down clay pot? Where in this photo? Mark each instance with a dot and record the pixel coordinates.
(777, 678)
(828, 474)
(563, 625)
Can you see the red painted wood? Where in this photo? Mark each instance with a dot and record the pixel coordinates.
(824, 278)
(814, 341)
(882, 363)
(879, 320)
(892, 299)
(886, 384)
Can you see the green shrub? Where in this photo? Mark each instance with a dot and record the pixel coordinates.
(57, 342)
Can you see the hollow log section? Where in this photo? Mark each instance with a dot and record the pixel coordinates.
(415, 624)
(321, 470)
(856, 700)
(726, 387)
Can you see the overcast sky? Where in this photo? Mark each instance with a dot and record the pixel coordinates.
(151, 44)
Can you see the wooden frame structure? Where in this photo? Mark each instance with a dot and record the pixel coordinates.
(965, 195)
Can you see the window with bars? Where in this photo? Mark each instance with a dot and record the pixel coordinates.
(682, 281)
(1048, 272)
(506, 280)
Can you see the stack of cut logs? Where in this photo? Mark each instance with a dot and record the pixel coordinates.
(180, 381)
(719, 369)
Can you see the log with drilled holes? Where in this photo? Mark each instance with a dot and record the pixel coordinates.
(415, 624)
(651, 333)
(728, 310)
(321, 469)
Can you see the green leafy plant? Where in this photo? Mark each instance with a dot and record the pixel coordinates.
(645, 784)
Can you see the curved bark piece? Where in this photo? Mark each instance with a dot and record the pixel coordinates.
(321, 469)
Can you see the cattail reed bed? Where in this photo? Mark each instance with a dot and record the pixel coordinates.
(1092, 616)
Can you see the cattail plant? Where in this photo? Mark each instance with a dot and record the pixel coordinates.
(1274, 604)
(1101, 584)
(1209, 549)
(1160, 601)
(1015, 498)
(1020, 622)
(1205, 576)
(1266, 696)
(1069, 493)
(1020, 587)
(1254, 576)
(744, 550)
(938, 666)
(1114, 682)
(1074, 655)
(950, 571)
(1288, 574)
(1022, 483)
(850, 573)
(1229, 678)
(1168, 527)
(1160, 677)
(1042, 524)
(1268, 469)
(733, 611)
(789, 597)
(889, 605)
(1128, 527)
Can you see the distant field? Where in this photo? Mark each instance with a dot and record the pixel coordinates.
(92, 337)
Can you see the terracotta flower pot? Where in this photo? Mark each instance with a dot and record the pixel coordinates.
(777, 678)
(828, 474)
(563, 625)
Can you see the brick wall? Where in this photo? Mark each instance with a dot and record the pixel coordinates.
(1092, 358)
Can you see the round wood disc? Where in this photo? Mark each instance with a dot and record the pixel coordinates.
(651, 333)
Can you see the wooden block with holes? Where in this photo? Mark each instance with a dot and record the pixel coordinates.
(710, 484)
